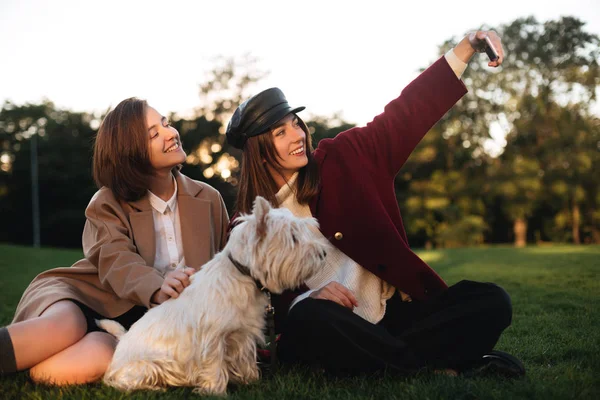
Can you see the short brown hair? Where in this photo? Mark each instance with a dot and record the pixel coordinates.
(255, 179)
(121, 159)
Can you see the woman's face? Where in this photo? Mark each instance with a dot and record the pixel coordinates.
(164, 142)
(289, 140)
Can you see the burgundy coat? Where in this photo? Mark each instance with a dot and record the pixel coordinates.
(357, 207)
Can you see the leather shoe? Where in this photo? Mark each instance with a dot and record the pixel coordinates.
(497, 363)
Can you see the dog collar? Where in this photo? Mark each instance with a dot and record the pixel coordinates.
(246, 271)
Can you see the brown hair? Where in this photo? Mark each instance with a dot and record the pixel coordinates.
(121, 159)
(255, 179)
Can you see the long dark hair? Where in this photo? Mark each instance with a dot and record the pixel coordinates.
(256, 180)
(121, 160)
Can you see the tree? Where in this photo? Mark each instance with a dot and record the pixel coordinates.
(65, 182)
(209, 157)
(322, 127)
(518, 182)
(569, 156)
(550, 67)
(552, 75)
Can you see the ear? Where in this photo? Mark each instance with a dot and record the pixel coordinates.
(260, 210)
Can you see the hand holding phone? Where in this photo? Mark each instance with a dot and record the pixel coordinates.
(490, 50)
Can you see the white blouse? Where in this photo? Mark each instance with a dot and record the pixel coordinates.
(167, 233)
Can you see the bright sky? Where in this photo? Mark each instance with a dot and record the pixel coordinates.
(349, 56)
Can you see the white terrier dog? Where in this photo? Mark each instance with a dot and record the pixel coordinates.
(208, 335)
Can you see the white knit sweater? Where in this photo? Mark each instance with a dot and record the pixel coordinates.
(370, 291)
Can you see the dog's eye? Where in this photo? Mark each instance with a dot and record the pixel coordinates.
(294, 239)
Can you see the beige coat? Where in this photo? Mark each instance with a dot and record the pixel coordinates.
(119, 247)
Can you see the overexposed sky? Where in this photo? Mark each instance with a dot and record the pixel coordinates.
(349, 56)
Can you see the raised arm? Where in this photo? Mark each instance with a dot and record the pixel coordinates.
(387, 141)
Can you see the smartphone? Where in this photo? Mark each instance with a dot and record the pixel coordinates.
(490, 50)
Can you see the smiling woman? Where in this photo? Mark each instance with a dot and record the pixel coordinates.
(165, 144)
(288, 138)
(374, 305)
(148, 229)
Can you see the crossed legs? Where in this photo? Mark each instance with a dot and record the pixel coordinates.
(57, 348)
(453, 331)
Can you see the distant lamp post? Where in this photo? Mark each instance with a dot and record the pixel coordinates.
(35, 196)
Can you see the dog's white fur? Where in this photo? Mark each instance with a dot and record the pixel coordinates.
(208, 335)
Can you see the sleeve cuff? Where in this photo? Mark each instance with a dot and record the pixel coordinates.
(457, 65)
(154, 283)
(300, 298)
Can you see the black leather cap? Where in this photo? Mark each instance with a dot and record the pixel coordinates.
(257, 115)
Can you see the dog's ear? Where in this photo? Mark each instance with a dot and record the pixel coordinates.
(260, 210)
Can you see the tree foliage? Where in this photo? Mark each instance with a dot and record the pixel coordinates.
(540, 97)
(462, 185)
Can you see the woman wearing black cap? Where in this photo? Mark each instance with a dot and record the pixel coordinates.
(375, 304)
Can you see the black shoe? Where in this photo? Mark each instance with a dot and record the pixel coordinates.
(497, 363)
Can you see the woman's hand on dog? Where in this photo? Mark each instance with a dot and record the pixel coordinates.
(173, 285)
(338, 293)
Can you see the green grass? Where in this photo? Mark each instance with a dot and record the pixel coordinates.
(555, 331)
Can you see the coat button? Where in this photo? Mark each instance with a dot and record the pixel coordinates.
(338, 236)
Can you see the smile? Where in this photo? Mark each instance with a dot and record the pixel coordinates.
(174, 147)
(297, 151)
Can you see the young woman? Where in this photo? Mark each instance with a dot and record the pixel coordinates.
(375, 305)
(146, 220)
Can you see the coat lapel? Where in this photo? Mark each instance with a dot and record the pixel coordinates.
(194, 215)
(319, 156)
(142, 226)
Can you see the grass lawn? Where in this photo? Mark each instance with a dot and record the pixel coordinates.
(556, 332)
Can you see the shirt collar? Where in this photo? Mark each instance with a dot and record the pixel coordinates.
(159, 204)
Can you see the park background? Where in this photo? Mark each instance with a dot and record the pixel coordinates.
(516, 161)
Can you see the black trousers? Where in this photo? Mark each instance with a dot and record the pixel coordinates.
(453, 330)
(127, 319)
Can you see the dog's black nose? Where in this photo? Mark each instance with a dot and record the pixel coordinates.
(323, 255)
